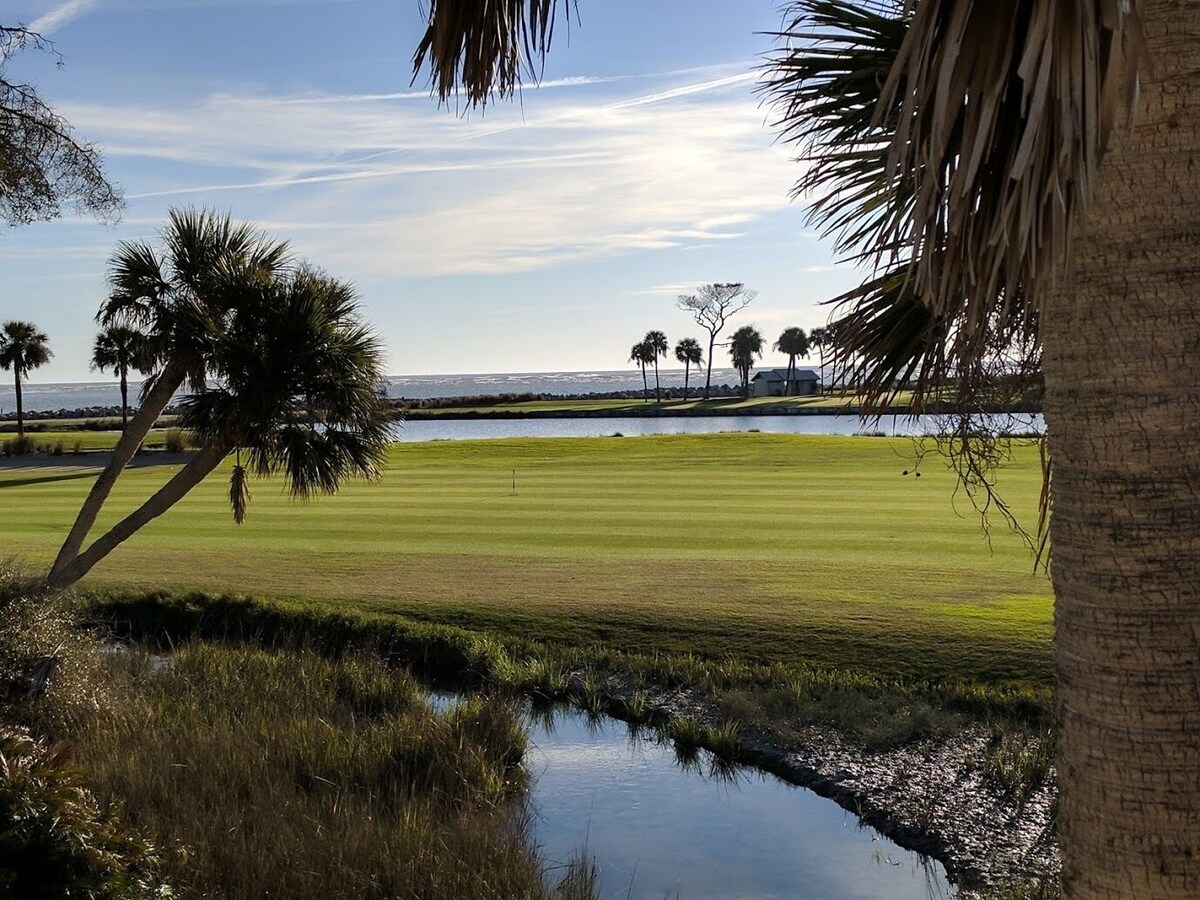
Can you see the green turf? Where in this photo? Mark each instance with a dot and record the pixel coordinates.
(768, 547)
(83, 440)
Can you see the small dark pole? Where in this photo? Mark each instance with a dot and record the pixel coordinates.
(514, 482)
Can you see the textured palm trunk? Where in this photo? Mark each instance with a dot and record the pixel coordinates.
(124, 398)
(712, 342)
(20, 406)
(686, 371)
(1122, 363)
(197, 469)
(657, 389)
(645, 386)
(131, 438)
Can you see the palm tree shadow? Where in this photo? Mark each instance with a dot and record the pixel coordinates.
(45, 479)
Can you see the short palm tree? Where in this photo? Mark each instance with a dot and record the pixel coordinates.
(22, 349)
(794, 342)
(121, 349)
(640, 353)
(178, 298)
(745, 345)
(689, 352)
(657, 342)
(295, 373)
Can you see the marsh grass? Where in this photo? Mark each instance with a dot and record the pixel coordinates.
(286, 773)
(1017, 761)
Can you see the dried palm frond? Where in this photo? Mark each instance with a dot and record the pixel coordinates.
(485, 47)
(1002, 113)
(239, 492)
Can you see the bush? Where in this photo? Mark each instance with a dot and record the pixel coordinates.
(55, 842)
(176, 440)
(18, 446)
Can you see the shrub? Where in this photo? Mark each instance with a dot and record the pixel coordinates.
(57, 448)
(19, 446)
(55, 841)
(176, 440)
(77, 448)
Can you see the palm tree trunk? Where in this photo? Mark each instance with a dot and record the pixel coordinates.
(657, 390)
(20, 407)
(686, 371)
(645, 386)
(124, 398)
(1122, 365)
(131, 438)
(197, 469)
(712, 342)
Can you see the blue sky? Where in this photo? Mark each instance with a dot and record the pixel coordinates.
(545, 235)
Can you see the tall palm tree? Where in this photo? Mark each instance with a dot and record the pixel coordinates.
(986, 160)
(295, 374)
(22, 348)
(121, 348)
(657, 342)
(640, 354)
(689, 352)
(794, 342)
(178, 298)
(818, 338)
(745, 345)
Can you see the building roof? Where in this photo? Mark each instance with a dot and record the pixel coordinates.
(781, 375)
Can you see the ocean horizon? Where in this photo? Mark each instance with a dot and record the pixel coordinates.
(54, 396)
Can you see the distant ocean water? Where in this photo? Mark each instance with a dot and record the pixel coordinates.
(41, 397)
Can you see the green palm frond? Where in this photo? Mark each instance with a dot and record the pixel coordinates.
(23, 346)
(485, 47)
(296, 374)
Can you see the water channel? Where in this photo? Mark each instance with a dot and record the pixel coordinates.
(631, 426)
(658, 829)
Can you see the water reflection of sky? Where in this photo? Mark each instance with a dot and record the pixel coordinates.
(657, 830)
(631, 426)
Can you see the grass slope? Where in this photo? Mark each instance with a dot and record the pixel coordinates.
(770, 548)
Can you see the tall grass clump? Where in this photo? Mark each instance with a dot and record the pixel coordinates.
(290, 774)
(176, 440)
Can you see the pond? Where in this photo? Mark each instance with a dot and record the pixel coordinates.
(631, 426)
(658, 829)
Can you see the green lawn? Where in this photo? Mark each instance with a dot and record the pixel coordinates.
(767, 547)
(83, 440)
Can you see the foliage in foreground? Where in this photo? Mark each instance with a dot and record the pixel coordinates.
(283, 773)
(56, 840)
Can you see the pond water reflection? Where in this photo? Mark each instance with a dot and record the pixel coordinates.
(658, 829)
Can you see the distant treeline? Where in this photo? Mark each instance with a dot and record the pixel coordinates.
(723, 390)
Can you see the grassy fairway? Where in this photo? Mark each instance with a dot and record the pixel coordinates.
(773, 548)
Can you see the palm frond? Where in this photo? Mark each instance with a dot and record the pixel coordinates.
(1004, 114)
(485, 47)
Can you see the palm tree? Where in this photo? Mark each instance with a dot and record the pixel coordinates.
(178, 299)
(965, 148)
(657, 342)
(688, 352)
(121, 348)
(22, 349)
(794, 342)
(295, 374)
(640, 354)
(1021, 218)
(818, 338)
(744, 345)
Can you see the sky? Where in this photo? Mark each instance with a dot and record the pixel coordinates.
(545, 234)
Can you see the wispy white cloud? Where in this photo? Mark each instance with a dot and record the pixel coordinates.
(594, 173)
(56, 18)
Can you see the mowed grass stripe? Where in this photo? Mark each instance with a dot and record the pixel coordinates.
(775, 547)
